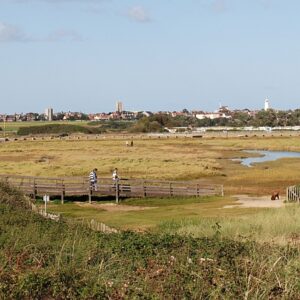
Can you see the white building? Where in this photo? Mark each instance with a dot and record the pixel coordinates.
(49, 113)
(267, 105)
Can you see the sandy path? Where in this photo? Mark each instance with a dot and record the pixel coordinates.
(251, 201)
(113, 207)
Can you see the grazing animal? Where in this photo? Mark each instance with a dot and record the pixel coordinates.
(275, 195)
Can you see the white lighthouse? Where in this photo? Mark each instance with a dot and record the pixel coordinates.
(267, 105)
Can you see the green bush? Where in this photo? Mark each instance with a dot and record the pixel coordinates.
(58, 129)
(113, 125)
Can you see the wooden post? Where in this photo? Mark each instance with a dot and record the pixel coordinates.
(117, 190)
(62, 192)
(197, 189)
(90, 194)
(144, 189)
(222, 190)
(34, 189)
(171, 190)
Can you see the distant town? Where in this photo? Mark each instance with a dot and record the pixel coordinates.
(121, 114)
(223, 116)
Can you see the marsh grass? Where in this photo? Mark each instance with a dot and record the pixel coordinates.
(147, 159)
(208, 160)
(278, 225)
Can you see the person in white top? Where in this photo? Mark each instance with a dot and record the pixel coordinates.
(115, 176)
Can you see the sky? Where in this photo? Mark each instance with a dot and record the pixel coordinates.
(84, 55)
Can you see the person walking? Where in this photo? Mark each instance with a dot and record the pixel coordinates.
(115, 175)
(116, 178)
(93, 179)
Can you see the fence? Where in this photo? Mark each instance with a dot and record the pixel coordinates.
(293, 193)
(80, 186)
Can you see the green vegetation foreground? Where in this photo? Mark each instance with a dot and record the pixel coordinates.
(41, 259)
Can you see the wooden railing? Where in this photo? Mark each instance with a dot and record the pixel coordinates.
(293, 193)
(72, 186)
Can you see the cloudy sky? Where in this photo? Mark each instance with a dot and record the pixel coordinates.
(84, 55)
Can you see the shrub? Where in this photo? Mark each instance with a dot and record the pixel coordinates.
(57, 129)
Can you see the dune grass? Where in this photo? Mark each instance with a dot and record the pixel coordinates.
(278, 225)
(43, 259)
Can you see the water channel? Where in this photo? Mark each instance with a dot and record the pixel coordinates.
(267, 156)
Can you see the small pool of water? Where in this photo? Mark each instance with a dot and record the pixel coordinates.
(267, 156)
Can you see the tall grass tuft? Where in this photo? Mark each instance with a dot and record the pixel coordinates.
(270, 225)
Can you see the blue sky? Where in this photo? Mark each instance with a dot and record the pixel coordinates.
(84, 55)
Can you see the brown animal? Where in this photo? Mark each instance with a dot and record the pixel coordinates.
(275, 195)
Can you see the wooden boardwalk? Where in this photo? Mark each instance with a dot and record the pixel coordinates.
(80, 186)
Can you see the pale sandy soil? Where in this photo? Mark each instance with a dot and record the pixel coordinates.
(250, 201)
(113, 207)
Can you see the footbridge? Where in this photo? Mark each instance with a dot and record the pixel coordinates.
(125, 188)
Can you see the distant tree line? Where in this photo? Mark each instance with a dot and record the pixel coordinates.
(270, 118)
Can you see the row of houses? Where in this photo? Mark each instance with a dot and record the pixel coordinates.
(222, 112)
(73, 116)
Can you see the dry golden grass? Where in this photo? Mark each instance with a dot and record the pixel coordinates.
(176, 159)
(147, 159)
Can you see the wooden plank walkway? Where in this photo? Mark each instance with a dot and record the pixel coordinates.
(80, 186)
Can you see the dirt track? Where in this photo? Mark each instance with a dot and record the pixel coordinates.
(250, 201)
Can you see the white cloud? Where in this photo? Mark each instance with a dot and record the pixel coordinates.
(63, 35)
(11, 33)
(219, 6)
(138, 14)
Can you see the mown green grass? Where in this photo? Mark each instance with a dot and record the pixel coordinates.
(153, 211)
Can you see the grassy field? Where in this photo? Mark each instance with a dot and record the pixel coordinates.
(43, 259)
(12, 127)
(174, 159)
(151, 212)
(272, 225)
(182, 248)
(207, 160)
(192, 216)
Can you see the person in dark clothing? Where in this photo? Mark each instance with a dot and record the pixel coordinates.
(93, 179)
